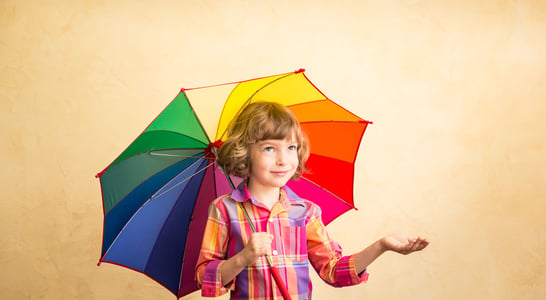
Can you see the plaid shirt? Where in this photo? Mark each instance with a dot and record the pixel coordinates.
(300, 238)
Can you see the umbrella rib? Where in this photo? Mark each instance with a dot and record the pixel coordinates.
(155, 130)
(196, 116)
(154, 152)
(183, 181)
(122, 230)
(186, 135)
(208, 185)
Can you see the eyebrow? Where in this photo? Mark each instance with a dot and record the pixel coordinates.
(274, 141)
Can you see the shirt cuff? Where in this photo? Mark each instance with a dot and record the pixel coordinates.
(212, 280)
(346, 272)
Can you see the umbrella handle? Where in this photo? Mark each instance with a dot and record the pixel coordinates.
(280, 283)
(274, 271)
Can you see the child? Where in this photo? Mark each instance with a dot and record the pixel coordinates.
(266, 146)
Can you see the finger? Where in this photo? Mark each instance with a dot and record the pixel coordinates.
(420, 244)
(423, 244)
(263, 237)
(410, 246)
(263, 250)
(416, 244)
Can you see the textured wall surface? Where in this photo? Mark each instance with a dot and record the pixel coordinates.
(457, 152)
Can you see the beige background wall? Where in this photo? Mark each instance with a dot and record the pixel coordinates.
(456, 91)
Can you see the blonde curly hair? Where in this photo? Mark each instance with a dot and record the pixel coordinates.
(260, 121)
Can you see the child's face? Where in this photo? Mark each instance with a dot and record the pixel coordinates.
(273, 162)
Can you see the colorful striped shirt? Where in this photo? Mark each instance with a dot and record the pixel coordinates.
(300, 238)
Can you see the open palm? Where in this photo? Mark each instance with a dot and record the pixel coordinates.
(403, 244)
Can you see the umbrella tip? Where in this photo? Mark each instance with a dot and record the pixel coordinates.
(301, 70)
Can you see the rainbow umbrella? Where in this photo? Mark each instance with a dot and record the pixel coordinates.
(157, 192)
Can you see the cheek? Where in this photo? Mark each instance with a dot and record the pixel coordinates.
(259, 162)
(295, 159)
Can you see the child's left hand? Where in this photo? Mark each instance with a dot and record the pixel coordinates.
(399, 243)
(403, 244)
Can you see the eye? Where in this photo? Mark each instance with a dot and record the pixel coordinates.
(268, 149)
(293, 147)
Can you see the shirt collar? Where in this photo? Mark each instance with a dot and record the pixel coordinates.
(287, 196)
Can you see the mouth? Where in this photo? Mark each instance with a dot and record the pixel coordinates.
(280, 173)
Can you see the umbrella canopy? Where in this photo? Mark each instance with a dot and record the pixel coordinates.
(157, 192)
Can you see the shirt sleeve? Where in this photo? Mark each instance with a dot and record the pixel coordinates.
(346, 273)
(212, 255)
(326, 255)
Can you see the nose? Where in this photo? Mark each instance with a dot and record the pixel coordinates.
(281, 158)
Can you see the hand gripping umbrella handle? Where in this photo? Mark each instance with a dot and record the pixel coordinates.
(274, 270)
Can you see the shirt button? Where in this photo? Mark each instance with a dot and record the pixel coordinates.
(275, 252)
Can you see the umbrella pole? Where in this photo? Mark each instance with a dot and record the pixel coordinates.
(274, 270)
